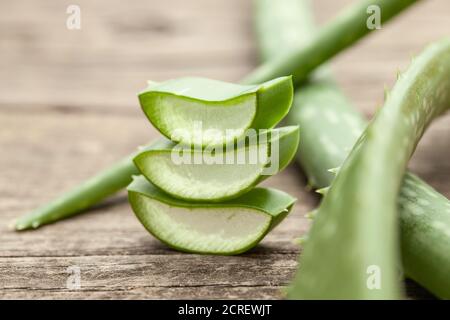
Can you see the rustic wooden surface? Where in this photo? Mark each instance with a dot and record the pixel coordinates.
(68, 108)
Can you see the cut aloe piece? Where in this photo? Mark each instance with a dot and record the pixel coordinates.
(227, 228)
(221, 173)
(202, 112)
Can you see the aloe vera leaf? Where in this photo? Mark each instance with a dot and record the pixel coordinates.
(228, 228)
(356, 226)
(346, 29)
(425, 235)
(355, 17)
(322, 110)
(84, 196)
(282, 26)
(194, 174)
(205, 112)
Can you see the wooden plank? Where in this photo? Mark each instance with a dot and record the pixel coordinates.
(68, 109)
(150, 270)
(109, 60)
(151, 276)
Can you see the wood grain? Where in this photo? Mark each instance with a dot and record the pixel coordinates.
(68, 108)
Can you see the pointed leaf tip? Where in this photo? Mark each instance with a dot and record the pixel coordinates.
(334, 170)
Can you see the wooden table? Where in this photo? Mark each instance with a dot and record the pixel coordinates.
(68, 108)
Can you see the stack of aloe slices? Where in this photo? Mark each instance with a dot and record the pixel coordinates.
(196, 192)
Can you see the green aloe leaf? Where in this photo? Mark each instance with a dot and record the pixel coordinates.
(355, 233)
(342, 32)
(202, 111)
(227, 228)
(85, 195)
(322, 110)
(218, 174)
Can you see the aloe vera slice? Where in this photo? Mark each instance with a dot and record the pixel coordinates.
(202, 112)
(227, 228)
(227, 174)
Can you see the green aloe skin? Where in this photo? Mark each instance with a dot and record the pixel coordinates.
(225, 228)
(322, 111)
(225, 175)
(337, 33)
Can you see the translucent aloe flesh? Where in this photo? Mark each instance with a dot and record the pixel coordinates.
(355, 229)
(201, 175)
(205, 112)
(330, 128)
(227, 228)
(83, 197)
